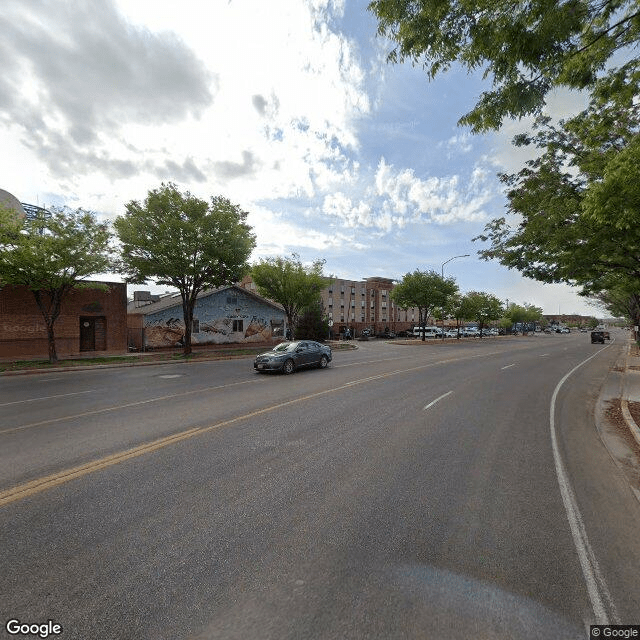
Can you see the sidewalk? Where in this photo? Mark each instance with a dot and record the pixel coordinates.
(630, 400)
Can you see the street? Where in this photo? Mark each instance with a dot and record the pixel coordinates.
(407, 491)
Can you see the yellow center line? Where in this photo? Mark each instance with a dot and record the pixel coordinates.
(48, 482)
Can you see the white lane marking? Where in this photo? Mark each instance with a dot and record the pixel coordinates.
(62, 395)
(542, 355)
(508, 366)
(126, 406)
(233, 384)
(444, 395)
(171, 375)
(595, 582)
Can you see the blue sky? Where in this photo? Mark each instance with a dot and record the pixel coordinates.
(288, 108)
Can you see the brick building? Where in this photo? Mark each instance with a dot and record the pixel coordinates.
(91, 320)
(363, 304)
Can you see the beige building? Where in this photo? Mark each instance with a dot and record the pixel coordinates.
(362, 304)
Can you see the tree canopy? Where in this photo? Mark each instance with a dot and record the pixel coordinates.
(525, 48)
(524, 314)
(425, 290)
(290, 283)
(51, 255)
(577, 204)
(482, 307)
(184, 242)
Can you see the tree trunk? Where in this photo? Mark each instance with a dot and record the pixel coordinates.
(53, 356)
(187, 312)
(50, 315)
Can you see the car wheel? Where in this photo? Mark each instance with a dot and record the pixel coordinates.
(288, 367)
(323, 362)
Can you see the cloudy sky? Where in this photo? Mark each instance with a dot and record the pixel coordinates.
(286, 107)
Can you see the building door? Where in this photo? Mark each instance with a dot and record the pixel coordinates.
(87, 334)
(93, 333)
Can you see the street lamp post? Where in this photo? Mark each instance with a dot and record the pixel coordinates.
(466, 255)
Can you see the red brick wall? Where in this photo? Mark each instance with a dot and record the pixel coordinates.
(23, 332)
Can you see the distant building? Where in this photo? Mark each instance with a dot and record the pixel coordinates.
(362, 304)
(228, 315)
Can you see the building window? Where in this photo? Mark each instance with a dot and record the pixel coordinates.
(353, 290)
(342, 289)
(195, 326)
(232, 300)
(353, 303)
(363, 304)
(238, 325)
(330, 301)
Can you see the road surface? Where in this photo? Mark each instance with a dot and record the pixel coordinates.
(423, 491)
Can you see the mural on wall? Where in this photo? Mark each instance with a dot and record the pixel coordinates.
(216, 321)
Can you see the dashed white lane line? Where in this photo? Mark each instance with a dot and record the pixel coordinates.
(444, 395)
(62, 395)
(508, 366)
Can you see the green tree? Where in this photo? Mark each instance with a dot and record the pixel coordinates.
(313, 323)
(424, 290)
(526, 49)
(290, 283)
(578, 203)
(481, 307)
(524, 314)
(52, 255)
(184, 242)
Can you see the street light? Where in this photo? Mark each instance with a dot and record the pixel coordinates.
(466, 255)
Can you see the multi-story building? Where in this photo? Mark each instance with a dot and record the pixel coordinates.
(361, 304)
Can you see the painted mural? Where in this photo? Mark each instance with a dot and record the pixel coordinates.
(223, 317)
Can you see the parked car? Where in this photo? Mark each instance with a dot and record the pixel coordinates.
(289, 356)
(607, 335)
(429, 332)
(451, 333)
(470, 332)
(597, 337)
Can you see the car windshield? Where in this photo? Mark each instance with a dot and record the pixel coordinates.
(285, 346)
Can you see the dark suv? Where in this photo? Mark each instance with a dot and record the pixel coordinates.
(597, 336)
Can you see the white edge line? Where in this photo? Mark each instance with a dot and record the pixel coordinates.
(595, 583)
(509, 365)
(444, 395)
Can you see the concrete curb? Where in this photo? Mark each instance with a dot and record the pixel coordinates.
(624, 400)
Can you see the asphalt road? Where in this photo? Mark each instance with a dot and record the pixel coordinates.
(449, 491)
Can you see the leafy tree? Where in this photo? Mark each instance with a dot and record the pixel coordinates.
(525, 48)
(290, 283)
(578, 202)
(481, 307)
(184, 242)
(424, 290)
(621, 302)
(313, 324)
(51, 255)
(524, 314)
